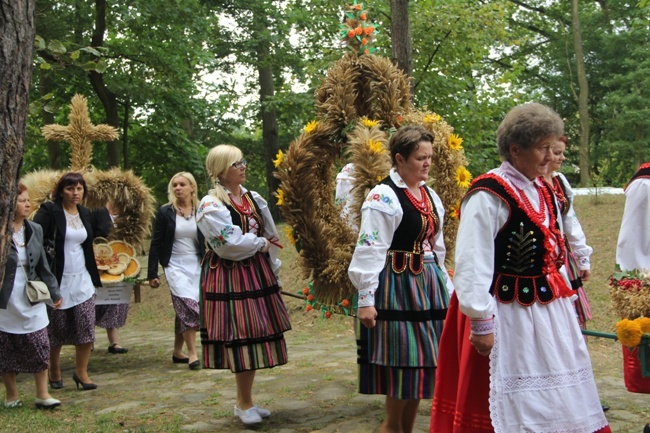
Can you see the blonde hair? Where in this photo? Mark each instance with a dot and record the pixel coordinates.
(219, 159)
(170, 190)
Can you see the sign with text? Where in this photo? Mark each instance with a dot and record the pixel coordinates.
(114, 293)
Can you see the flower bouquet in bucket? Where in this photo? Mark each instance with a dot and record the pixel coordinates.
(630, 292)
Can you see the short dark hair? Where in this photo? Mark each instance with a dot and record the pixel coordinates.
(71, 178)
(525, 125)
(406, 139)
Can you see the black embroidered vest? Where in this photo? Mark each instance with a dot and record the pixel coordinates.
(406, 248)
(519, 249)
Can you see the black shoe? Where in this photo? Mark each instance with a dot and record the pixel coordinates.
(84, 386)
(647, 428)
(195, 365)
(180, 360)
(113, 349)
(56, 384)
(605, 407)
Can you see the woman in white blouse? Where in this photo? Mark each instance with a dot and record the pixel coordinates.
(512, 356)
(577, 261)
(243, 316)
(68, 225)
(178, 246)
(633, 246)
(24, 345)
(398, 270)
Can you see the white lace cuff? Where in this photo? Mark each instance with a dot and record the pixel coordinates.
(482, 326)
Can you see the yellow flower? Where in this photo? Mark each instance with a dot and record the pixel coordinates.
(463, 177)
(376, 146)
(629, 332)
(368, 123)
(309, 128)
(289, 231)
(280, 195)
(278, 158)
(432, 118)
(455, 210)
(454, 142)
(644, 323)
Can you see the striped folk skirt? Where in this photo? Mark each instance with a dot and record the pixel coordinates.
(398, 357)
(242, 316)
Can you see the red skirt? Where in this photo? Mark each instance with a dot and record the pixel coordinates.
(460, 399)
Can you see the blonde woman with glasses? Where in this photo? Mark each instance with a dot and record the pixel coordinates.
(243, 317)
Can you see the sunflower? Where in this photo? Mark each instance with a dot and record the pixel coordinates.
(432, 118)
(455, 142)
(368, 123)
(278, 158)
(629, 332)
(280, 194)
(376, 146)
(463, 177)
(309, 128)
(455, 210)
(289, 232)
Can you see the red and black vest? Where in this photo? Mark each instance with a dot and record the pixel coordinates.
(520, 250)
(643, 171)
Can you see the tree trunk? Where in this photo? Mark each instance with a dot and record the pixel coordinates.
(16, 44)
(270, 137)
(108, 98)
(583, 107)
(400, 37)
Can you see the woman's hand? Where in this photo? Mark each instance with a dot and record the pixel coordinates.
(367, 316)
(584, 274)
(482, 343)
(154, 283)
(57, 304)
(267, 245)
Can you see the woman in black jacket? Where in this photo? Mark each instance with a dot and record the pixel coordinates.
(68, 225)
(178, 246)
(24, 345)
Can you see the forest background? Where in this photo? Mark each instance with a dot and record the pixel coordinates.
(177, 77)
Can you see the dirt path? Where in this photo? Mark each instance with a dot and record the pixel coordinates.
(143, 391)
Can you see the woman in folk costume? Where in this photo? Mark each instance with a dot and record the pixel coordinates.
(633, 247)
(576, 260)
(402, 294)
(512, 357)
(243, 317)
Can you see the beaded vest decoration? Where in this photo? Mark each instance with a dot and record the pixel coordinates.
(419, 219)
(528, 254)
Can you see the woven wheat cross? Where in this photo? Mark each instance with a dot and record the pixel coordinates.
(80, 133)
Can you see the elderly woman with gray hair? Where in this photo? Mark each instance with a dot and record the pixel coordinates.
(512, 357)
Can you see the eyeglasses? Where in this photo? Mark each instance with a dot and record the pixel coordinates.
(240, 164)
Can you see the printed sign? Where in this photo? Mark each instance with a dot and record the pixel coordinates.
(114, 293)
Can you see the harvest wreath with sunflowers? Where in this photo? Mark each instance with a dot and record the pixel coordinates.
(363, 99)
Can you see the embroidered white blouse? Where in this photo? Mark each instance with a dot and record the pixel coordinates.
(573, 230)
(633, 247)
(381, 214)
(227, 239)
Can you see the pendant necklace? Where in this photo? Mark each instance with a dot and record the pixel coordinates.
(188, 217)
